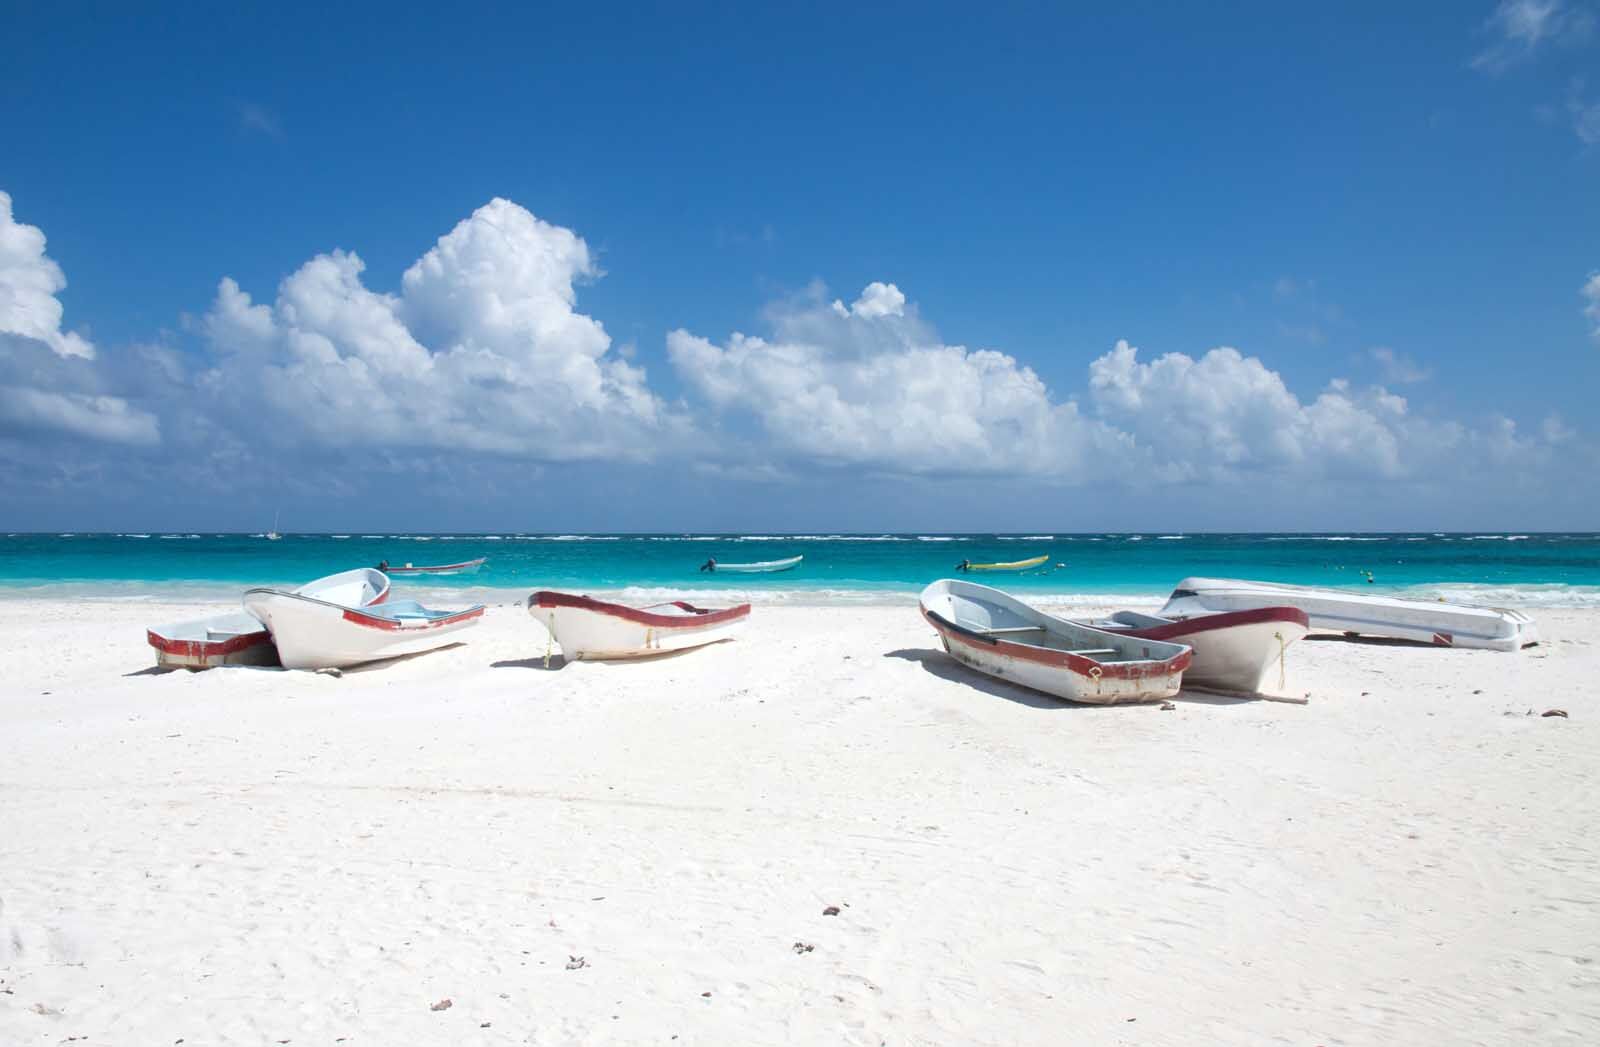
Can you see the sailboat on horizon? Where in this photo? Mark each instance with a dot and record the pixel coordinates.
(273, 534)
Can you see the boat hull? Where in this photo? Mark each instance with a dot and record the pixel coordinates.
(1014, 565)
(1354, 613)
(592, 630)
(315, 634)
(1234, 651)
(206, 643)
(974, 623)
(766, 567)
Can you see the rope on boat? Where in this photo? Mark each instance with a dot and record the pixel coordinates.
(549, 638)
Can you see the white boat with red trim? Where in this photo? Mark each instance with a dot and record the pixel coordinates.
(314, 633)
(999, 635)
(1233, 651)
(464, 567)
(240, 638)
(1361, 614)
(587, 629)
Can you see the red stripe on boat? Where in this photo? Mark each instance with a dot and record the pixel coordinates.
(1077, 663)
(372, 621)
(1208, 622)
(206, 648)
(696, 618)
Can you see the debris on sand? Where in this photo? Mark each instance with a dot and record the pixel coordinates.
(1555, 712)
(832, 910)
(1167, 707)
(575, 963)
(443, 1005)
(802, 947)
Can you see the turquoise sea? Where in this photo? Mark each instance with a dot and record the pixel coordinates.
(1538, 569)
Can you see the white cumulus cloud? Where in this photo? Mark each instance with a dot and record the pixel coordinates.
(482, 349)
(50, 379)
(29, 282)
(871, 385)
(875, 388)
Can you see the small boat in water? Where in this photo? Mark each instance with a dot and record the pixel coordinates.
(240, 638)
(1233, 651)
(1361, 614)
(1003, 637)
(464, 567)
(589, 629)
(762, 567)
(1013, 565)
(329, 631)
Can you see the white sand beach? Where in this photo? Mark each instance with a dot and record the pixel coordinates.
(649, 852)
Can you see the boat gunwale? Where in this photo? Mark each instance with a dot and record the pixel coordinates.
(702, 616)
(1080, 665)
(1210, 622)
(206, 648)
(360, 615)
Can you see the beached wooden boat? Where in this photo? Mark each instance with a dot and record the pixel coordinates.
(1233, 651)
(589, 629)
(328, 633)
(1014, 565)
(464, 567)
(240, 638)
(1364, 614)
(205, 643)
(761, 567)
(1000, 635)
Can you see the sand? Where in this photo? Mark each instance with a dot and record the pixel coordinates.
(648, 852)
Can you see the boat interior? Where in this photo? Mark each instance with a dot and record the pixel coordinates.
(996, 620)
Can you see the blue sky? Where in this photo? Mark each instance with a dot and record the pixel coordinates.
(1401, 202)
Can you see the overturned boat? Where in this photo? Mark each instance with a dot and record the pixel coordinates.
(1361, 614)
(1003, 637)
(1233, 651)
(324, 631)
(589, 629)
(241, 639)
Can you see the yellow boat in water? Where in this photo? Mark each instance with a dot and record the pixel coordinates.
(1015, 565)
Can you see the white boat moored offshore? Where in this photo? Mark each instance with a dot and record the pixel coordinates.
(1012, 565)
(240, 638)
(1233, 651)
(763, 567)
(997, 634)
(465, 567)
(589, 629)
(1363, 614)
(328, 633)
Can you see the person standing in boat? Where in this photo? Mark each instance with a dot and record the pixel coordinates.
(964, 566)
(383, 565)
(709, 565)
